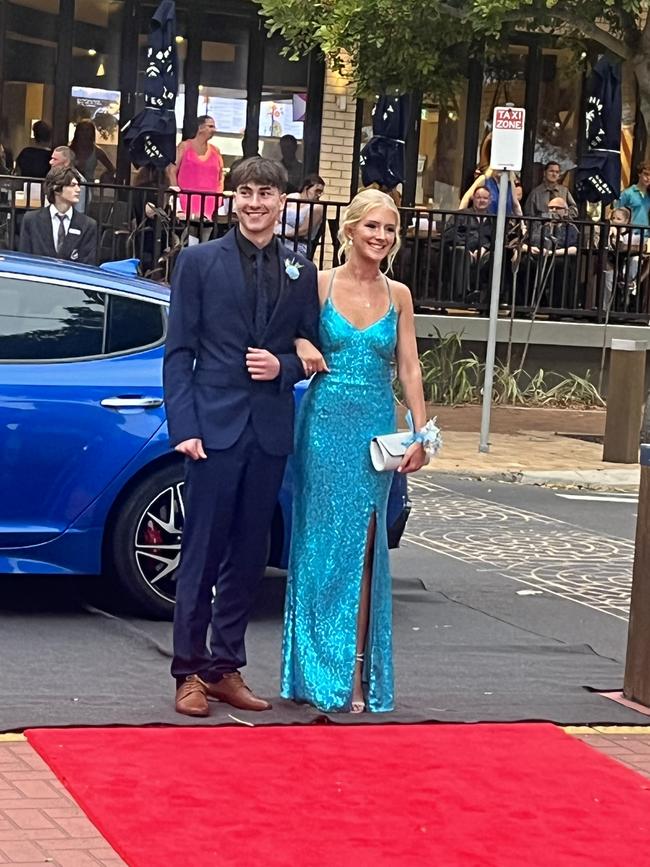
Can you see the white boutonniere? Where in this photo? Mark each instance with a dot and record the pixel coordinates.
(292, 269)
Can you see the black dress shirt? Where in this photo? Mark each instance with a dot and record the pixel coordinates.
(270, 270)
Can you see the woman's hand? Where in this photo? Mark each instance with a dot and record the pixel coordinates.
(414, 459)
(312, 360)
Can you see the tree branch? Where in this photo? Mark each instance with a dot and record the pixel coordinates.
(592, 31)
(589, 29)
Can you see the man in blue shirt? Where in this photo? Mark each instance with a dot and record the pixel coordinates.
(637, 198)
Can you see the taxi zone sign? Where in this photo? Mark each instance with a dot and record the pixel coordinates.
(508, 125)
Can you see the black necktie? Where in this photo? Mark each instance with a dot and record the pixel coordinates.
(261, 296)
(60, 238)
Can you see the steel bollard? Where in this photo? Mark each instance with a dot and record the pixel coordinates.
(636, 685)
(625, 396)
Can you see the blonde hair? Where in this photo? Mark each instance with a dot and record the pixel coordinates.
(359, 207)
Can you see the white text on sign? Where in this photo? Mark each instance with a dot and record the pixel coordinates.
(509, 118)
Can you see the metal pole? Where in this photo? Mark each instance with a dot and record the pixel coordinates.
(499, 238)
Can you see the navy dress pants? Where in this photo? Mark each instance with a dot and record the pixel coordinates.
(230, 498)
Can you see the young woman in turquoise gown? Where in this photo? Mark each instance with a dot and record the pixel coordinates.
(337, 643)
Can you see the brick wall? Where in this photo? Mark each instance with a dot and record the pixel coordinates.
(337, 138)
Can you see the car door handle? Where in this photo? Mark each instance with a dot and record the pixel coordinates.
(132, 402)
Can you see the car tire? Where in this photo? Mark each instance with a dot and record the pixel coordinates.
(144, 543)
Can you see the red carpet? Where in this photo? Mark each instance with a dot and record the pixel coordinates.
(354, 796)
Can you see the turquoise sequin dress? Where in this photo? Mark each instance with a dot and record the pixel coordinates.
(336, 492)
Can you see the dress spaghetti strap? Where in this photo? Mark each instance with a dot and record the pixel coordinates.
(390, 294)
(331, 284)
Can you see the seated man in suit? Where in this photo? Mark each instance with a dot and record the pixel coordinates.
(58, 230)
(549, 252)
(467, 243)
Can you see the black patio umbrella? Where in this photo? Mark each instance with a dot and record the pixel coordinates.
(151, 135)
(382, 159)
(598, 176)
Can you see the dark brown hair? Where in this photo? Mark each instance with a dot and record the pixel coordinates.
(56, 179)
(311, 181)
(258, 170)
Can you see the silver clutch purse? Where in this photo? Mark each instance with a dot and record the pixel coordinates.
(387, 451)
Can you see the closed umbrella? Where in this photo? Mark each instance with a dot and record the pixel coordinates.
(382, 159)
(598, 176)
(151, 135)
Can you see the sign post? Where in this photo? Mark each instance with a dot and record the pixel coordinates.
(506, 154)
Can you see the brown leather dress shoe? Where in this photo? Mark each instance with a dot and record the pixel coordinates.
(232, 690)
(191, 697)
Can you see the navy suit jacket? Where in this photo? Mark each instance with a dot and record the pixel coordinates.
(80, 243)
(208, 391)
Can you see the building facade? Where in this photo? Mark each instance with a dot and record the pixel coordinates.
(64, 60)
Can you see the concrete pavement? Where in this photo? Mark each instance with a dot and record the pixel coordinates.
(536, 457)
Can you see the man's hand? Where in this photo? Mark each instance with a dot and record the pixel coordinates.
(262, 364)
(192, 449)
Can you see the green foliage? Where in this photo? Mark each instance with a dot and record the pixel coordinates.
(451, 377)
(390, 45)
(423, 45)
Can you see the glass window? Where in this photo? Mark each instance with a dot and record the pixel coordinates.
(504, 80)
(42, 321)
(223, 90)
(95, 94)
(440, 153)
(558, 112)
(283, 107)
(28, 82)
(133, 324)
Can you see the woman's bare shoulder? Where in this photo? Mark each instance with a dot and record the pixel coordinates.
(400, 292)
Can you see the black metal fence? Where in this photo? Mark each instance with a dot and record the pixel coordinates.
(556, 269)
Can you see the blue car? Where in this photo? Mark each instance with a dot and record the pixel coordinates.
(88, 482)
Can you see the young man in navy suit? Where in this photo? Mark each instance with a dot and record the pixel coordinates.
(58, 230)
(237, 306)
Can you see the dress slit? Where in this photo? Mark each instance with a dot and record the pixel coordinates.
(369, 556)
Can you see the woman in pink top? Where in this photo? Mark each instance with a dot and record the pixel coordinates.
(199, 166)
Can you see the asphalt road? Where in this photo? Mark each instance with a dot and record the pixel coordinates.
(529, 585)
(574, 547)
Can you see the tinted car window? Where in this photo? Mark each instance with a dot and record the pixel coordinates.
(44, 321)
(132, 323)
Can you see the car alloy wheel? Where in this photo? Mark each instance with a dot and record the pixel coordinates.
(157, 541)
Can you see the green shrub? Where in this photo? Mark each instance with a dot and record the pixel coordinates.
(450, 378)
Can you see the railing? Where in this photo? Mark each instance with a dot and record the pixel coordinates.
(583, 270)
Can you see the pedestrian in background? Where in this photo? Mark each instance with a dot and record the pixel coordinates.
(34, 160)
(637, 198)
(294, 168)
(538, 201)
(199, 168)
(88, 154)
(58, 230)
(63, 158)
(301, 223)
